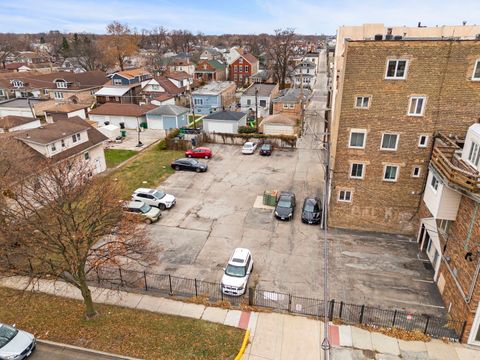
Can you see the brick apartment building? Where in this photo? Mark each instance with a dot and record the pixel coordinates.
(243, 68)
(450, 226)
(392, 96)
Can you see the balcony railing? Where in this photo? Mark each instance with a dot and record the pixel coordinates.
(446, 158)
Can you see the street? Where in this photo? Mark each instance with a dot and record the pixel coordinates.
(50, 352)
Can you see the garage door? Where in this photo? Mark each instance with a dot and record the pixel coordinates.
(219, 126)
(278, 129)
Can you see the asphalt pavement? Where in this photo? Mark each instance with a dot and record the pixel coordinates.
(52, 352)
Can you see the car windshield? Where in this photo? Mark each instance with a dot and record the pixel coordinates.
(193, 162)
(247, 145)
(284, 202)
(311, 206)
(159, 194)
(266, 147)
(237, 271)
(7, 333)
(145, 208)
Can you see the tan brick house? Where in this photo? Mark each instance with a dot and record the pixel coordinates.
(449, 230)
(395, 95)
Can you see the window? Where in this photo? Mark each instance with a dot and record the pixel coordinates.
(235, 68)
(78, 136)
(75, 137)
(240, 61)
(423, 141)
(389, 142)
(240, 77)
(246, 68)
(345, 196)
(444, 226)
(54, 147)
(356, 170)
(45, 91)
(86, 156)
(416, 106)
(357, 138)
(61, 85)
(476, 71)
(17, 83)
(263, 103)
(235, 77)
(362, 102)
(249, 102)
(240, 68)
(396, 69)
(434, 183)
(155, 87)
(474, 154)
(63, 143)
(390, 173)
(416, 171)
(286, 106)
(117, 81)
(198, 101)
(58, 95)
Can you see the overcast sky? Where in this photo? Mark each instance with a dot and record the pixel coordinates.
(223, 16)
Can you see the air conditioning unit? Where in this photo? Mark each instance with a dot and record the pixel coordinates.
(378, 37)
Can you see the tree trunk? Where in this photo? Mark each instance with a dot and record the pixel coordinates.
(90, 311)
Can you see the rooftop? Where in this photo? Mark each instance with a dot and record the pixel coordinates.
(173, 110)
(66, 108)
(281, 119)
(132, 73)
(49, 133)
(11, 121)
(292, 95)
(213, 88)
(122, 109)
(19, 103)
(226, 115)
(263, 89)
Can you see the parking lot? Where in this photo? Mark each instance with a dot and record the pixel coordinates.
(215, 213)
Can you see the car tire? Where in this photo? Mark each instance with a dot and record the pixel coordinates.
(189, 156)
(177, 167)
(198, 170)
(148, 221)
(162, 207)
(207, 157)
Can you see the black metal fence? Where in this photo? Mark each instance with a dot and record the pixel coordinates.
(167, 285)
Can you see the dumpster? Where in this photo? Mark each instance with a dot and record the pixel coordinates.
(144, 125)
(270, 197)
(123, 133)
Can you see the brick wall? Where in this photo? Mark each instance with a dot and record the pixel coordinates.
(438, 70)
(296, 111)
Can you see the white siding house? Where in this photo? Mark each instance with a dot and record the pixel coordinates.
(224, 122)
(442, 201)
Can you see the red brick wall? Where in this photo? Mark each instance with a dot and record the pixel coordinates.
(246, 75)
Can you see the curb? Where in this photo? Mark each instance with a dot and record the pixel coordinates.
(84, 350)
(244, 345)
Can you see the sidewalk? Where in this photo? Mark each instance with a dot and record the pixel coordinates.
(273, 336)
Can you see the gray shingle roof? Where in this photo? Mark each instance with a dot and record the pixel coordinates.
(172, 110)
(226, 115)
(292, 95)
(263, 89)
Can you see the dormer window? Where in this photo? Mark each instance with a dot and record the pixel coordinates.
(17, 83)
(240, 61)
(61, 84)
(117, 81)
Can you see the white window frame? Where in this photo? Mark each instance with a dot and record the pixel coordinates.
(475, 67)
(363, 171)
(422, 110)
(339, 197)
(396, 143)
(357, 131)
(474, 154)
(396, 173)
(117, 82)
(58, 95)
(419, 171)
(424, 145)
(396, 68)
(355, 105)
(197, 101)
(61, 85)
(431, 183)
(53, 147)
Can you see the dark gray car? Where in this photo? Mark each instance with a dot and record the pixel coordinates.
(189, 164)
(285, 206)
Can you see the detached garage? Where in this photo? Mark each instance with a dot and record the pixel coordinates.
(131, 115)
(224, 122)
(167, 117)
(279, 124)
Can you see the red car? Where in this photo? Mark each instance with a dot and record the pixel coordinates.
(199, 152)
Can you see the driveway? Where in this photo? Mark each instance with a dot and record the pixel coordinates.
(215, 213)
(52, 352)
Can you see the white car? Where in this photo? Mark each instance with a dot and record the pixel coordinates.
(154, 197)
(249, 147)
(238, 270)
(15, 344)
(142, 211)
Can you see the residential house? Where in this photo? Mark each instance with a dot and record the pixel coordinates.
(450, 225)
(12, 123)
(291, 101)
(180, 79)
(312, 57)
(32, 57)
(167, 117)
(392, 97)
(242, 69)
(224, 121)
(126, 116)
(67, 139)
(210, 70)
(279, 124)
(66, 111)
(19, 107)
(261, 76)
(211, 54)
(232, 54)
(304, 75)
(213, 97)
(161, 91)
(259, 97)
(125, 87)
(182, 65)
(17, 67)
(73, 65)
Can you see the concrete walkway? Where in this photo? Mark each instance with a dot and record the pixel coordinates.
(273, 336)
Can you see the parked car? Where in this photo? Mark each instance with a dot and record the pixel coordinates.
(142, 211)
(312, 210)
(236, 274)
(249, 147)
(154, 197)
(266, 149)
(189, 164)
(199, 152)
(15, 344)
(285, 206)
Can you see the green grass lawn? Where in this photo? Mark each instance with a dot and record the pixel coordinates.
(149, 169)
(130, 332)
(114, 157)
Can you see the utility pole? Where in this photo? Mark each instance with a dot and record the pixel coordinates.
(139, 143)
(193, 111)
(256, 109)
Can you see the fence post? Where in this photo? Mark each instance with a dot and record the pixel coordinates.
(121, 277)
(330, 310)
(250, 296)
(394, 318)
(145, 280)
(361, 314)
(341, 310)
(170, 283)
(289, 302)
(426, 324)
(463, 331)
(196, 291)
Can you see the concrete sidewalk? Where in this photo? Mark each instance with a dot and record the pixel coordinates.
(273, 336)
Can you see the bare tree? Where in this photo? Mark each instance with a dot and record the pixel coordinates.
(281, 54)
(120, 43)
(85, 50)
(62, 223)
(182, 40)
(7, 47)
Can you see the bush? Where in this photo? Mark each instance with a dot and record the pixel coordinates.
(162, 145)
(172, 134)
(246, 130)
